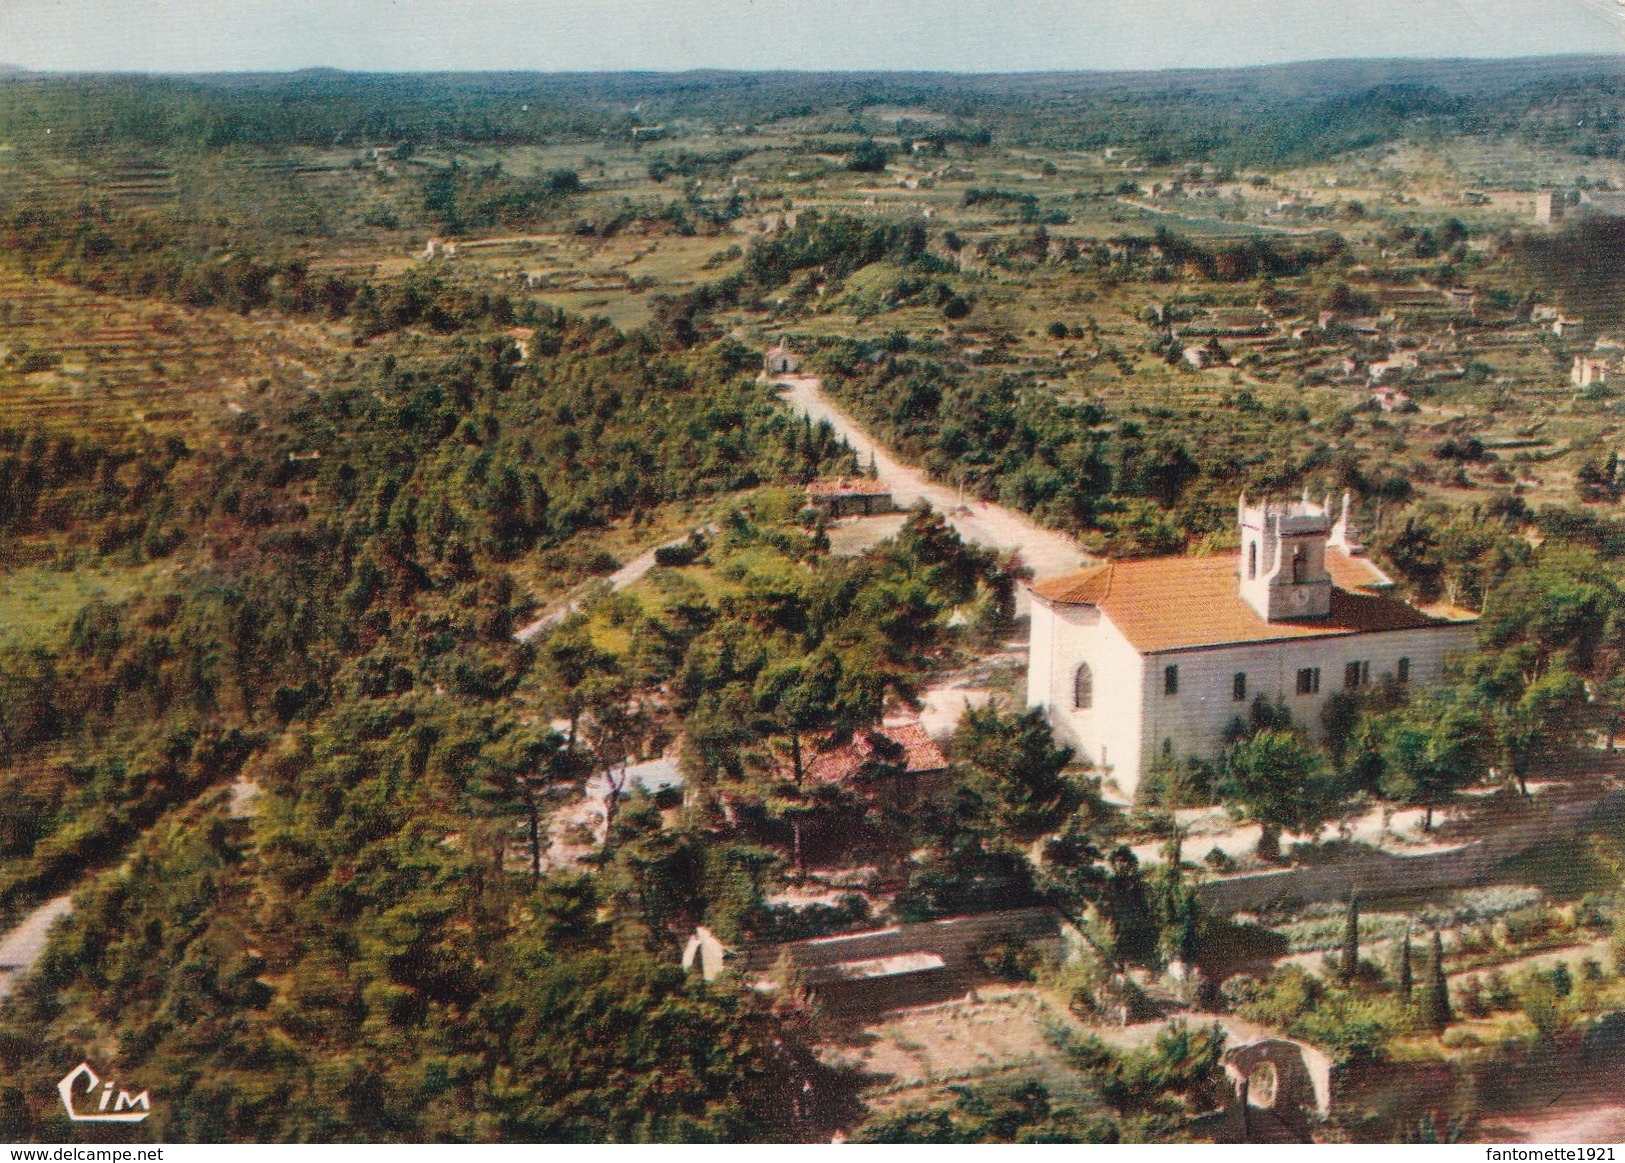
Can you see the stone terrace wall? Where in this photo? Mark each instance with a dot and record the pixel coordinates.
(953, 939)
(1376, 874)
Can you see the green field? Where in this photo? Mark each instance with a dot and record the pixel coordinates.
(38, 604)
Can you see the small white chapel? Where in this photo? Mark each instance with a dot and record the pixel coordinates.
(1127, 656)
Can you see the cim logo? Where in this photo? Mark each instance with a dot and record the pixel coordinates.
(93, 1093)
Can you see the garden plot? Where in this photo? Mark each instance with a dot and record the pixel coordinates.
(994, 1031)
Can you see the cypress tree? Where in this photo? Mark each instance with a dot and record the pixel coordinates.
(1562, 980)
(1438, 996)
(1350, 965)
(1406, 980)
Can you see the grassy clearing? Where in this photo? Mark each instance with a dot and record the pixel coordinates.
(38, 604)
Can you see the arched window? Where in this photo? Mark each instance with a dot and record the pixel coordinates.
(1297, 565)
(1252, 560)
(1083, 689)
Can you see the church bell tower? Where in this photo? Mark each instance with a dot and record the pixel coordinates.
(1283, 559)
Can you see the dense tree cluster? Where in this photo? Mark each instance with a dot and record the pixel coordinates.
(354, 963)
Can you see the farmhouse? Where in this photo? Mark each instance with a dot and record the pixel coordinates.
(1587, 371)
(1130, 658)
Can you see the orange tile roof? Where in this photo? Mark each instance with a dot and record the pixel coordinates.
(1355, 573)
(1085, 588)
(1185, 603)
(839, 764)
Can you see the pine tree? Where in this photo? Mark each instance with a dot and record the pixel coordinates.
(1406, 980)
(1438, 995)
(1350, 965)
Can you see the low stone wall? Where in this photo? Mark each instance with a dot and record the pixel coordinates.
(954, 939)
(1374, 874)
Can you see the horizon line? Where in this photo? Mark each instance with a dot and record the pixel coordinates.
(11, 71)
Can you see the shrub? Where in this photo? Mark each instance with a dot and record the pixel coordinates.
(1544, 1008)
(1006, 960)
(1498, 994)
(676, 556)
(1528, 925)
(1471, 998)
(1186, 782)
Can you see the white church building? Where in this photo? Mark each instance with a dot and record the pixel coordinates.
(1130, 655)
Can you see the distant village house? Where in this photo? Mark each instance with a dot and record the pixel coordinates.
(781, 361)
(1588, 371)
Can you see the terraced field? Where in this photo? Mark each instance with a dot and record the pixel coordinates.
(109, 362)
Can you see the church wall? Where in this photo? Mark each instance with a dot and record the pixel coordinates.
(1195, 718)
(1063, 637)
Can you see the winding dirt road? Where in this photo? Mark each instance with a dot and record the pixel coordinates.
(21, 948)
(1048, 553)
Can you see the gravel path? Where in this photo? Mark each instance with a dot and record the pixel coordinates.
(1048, 553)
(619, 580)
(21, 948)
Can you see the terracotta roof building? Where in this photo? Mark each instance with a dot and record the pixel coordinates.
(903, 747)
(1132, 658)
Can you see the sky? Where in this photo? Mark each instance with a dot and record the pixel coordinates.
(672, 35)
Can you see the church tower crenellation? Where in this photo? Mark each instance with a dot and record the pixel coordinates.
(1283, 557)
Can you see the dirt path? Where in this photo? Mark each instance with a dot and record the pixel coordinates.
(1048, 553)
(1545, 959)
(20, 949)
(1593, 1120)
(619, 580)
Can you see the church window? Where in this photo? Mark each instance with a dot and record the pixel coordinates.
(1403, 671)
(1297, 565)
(1083, 689)
(1170, 680)
(1238, 687)
(1309, 680)
(1252, 560)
